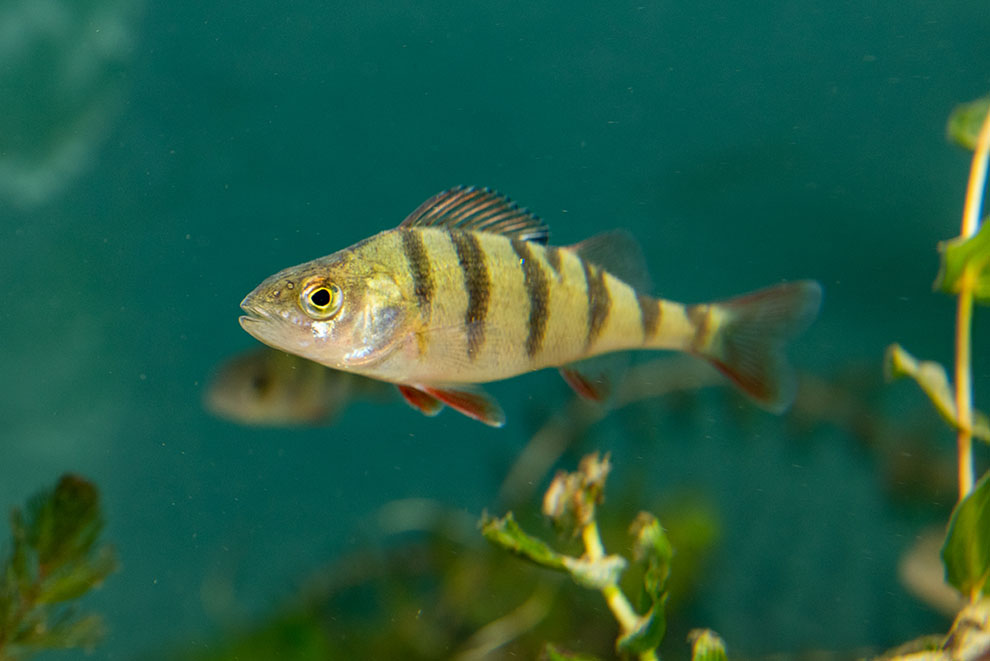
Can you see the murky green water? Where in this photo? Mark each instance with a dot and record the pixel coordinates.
(158, 161)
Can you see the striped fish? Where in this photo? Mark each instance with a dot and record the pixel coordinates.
(466, 290)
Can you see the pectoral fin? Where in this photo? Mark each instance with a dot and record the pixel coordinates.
(471, 401)
(419, 400)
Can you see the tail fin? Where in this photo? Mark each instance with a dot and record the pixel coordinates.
(751, 343)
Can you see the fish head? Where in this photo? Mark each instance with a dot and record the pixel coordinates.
(339, 311)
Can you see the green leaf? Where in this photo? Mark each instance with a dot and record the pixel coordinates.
(966, 121)
(69, 632)
(960, 255)
(706, 645)
(648, 633)
(966, 552)
(63, 525)
(505, 532)
(652, 548)
(933, 380)
(76, 579)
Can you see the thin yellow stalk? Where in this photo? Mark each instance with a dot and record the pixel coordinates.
(964, 392)
(616, 600)
(964, 314)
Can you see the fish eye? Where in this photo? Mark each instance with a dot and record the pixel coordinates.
(261, 383)
(321, 300)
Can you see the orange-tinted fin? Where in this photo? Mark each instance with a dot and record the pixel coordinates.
(472, 402)
(750, 349)
(419, 400)
(585, 385)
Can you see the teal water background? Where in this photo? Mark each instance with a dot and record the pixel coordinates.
(158, 161)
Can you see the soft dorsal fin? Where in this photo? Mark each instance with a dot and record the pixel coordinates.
(619, 253)
(478, 210)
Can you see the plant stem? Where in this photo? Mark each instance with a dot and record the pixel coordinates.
(617, 603)
(964, 391)
(964, 315)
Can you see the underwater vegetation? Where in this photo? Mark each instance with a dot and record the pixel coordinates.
(436, 590)
(54, 560)
(964, 273)
(571, 502)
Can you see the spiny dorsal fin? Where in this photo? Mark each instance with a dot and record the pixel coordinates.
(478, 210)
(619, 253)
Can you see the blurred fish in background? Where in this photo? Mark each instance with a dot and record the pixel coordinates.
(269, 388)
(61, 65)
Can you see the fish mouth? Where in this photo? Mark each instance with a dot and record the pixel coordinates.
(254, 314)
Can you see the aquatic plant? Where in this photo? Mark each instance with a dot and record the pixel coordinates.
(964, 273)
(53, 561)
(571, 503)
(431, 587)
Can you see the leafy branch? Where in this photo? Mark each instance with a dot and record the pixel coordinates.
(964, 273)
(571, 502)
(53, 562)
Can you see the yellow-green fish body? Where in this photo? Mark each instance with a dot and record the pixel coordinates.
(265, 387)
(466, 291)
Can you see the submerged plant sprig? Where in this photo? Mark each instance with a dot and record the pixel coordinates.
(571, 503)
(976, 263)
(964, 273)
(53, 560)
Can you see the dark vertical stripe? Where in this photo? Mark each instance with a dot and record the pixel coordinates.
(419, 265)
(477, 284)
(553, 259)
(649, 315)
(538, 290)
(599, 301)
(701, 318)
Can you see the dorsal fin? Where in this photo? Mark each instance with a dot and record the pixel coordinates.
(478, 210)
(619, 253)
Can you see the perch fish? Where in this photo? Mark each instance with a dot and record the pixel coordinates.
(466, 290)
(269, 388)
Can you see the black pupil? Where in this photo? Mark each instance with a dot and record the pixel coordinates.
(320, 297)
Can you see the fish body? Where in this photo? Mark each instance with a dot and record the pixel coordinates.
(466, 290)
(266, 387)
